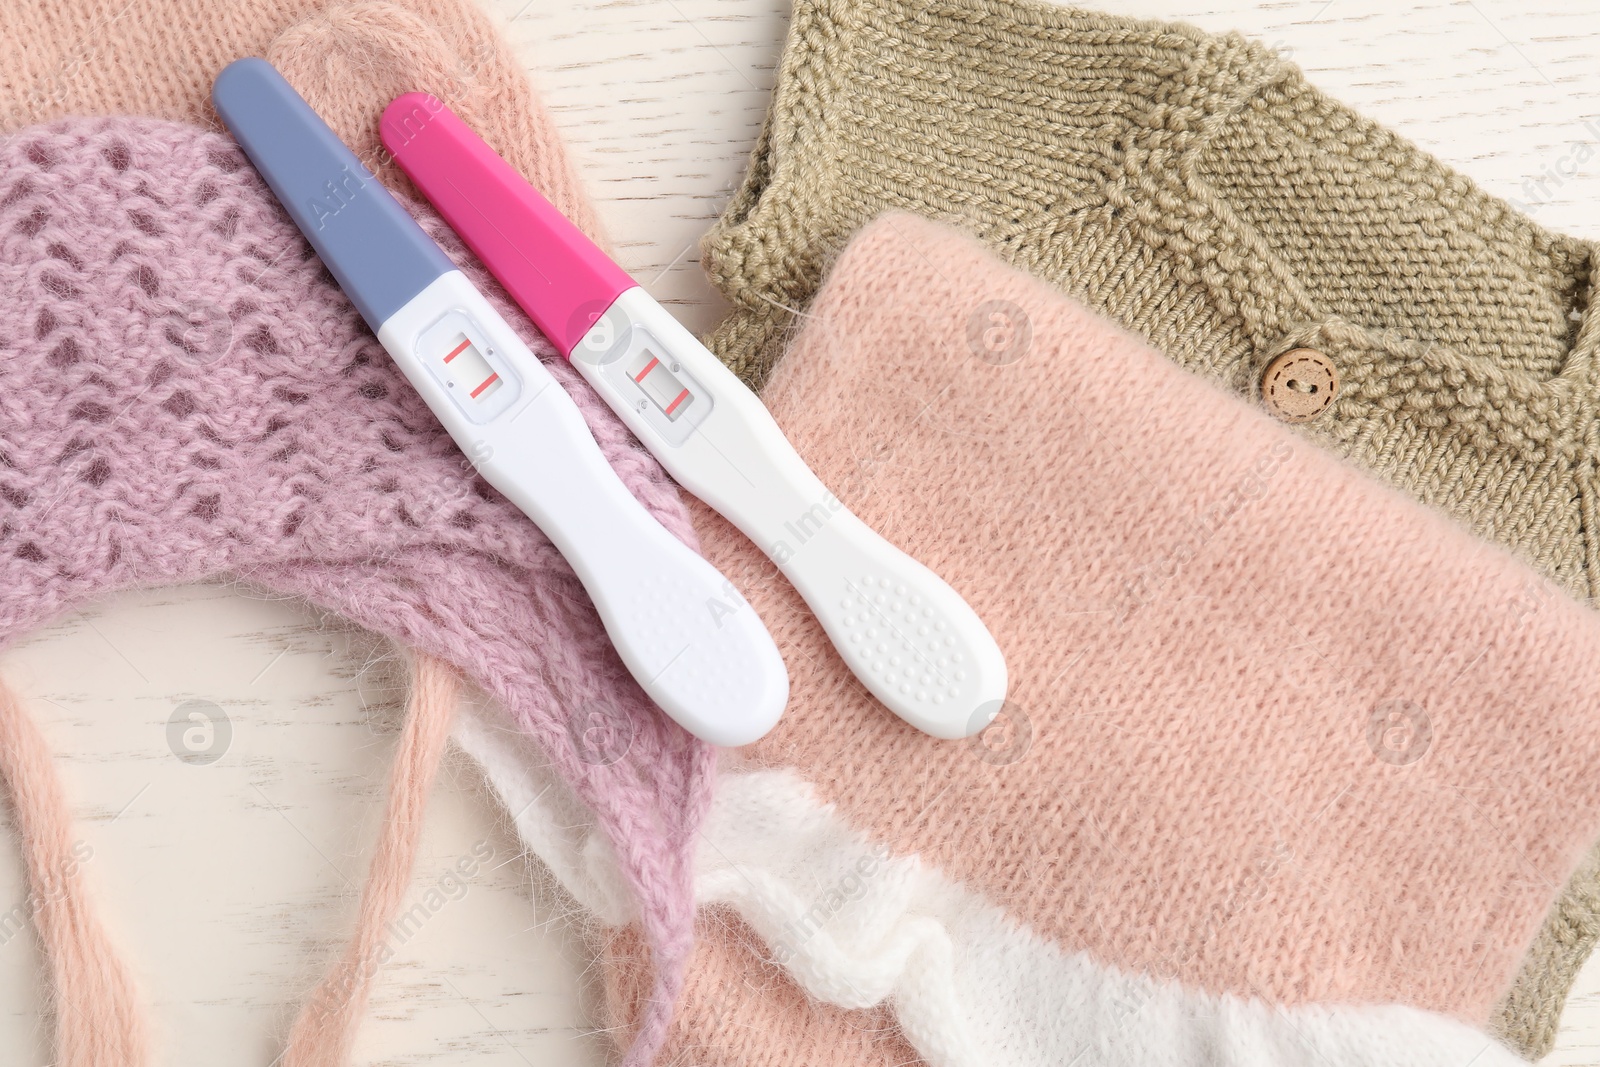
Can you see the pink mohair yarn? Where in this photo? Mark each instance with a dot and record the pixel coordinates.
(186, 395)
(325, 1029)
(1292, 767)
(98, 1017)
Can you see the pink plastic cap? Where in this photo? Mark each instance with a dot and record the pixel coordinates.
(559, 277)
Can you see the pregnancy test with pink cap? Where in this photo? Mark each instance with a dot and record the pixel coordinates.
(676, 622)
(910, 638)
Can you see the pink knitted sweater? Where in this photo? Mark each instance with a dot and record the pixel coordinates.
(1292, 769)
(186, 395)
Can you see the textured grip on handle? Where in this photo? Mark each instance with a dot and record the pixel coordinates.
(680, 628)
(873, 600)
(911, 639)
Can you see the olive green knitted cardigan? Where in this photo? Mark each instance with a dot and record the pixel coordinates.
(1198, 190)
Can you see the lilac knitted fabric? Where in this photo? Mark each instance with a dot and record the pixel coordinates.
(185, 394)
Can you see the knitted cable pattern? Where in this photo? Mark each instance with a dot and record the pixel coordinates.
(185, 394)
(1199, 191)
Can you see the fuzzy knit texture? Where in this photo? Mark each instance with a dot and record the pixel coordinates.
(96, 1006)
(1199, 191)
(158, 58)
(325, 1031)
(187, 395)
(91, 990)
(1292, 761)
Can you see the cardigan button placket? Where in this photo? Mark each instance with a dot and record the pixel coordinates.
(1299, 385)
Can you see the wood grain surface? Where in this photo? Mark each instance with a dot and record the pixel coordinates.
(230, 882)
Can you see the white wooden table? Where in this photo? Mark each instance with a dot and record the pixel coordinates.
(230, 882)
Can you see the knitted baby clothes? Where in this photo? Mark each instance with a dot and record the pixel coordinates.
(1291, 769)
(185, 394)
(1197, 190)
(159, 58)
(348, 59)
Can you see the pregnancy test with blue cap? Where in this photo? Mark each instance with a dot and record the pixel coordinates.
(911, 639)
(678, 624)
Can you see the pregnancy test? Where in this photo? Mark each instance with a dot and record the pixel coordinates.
(912, 640)
(679, 626)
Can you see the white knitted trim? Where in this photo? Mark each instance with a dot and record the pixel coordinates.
(971, 987)
(551, 822)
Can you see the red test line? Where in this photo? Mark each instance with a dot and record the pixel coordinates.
(456, 351)
(681, 397)
(490, 380)
(648, 367)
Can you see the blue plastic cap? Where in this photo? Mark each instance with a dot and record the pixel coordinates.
(371, 244)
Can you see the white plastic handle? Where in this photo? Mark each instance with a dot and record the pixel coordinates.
(912, 640)
(681, 628)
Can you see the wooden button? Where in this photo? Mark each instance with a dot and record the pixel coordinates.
(1299, 385)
